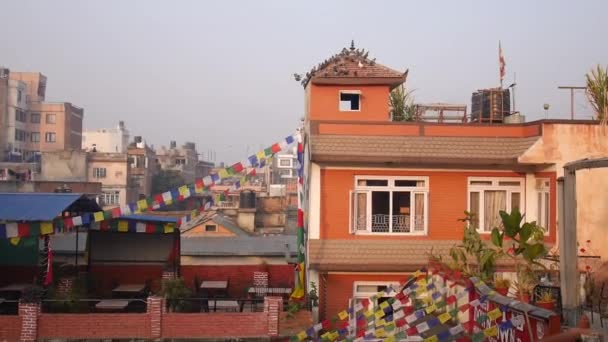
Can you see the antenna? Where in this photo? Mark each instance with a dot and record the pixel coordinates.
(572, 88)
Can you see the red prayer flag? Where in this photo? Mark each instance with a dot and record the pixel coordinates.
(464, 307)
(361, 333)
(116, 212)
(252, 172)
(159, 199)
(343, 325)
(68, 223)
(412, 331)
(451, 299)
(104, 225)
(326, 324)
(23, 229)
(238, 167)
(150, 228)
(400, 322)
(275, 148)
(399, 296)
(365, 302)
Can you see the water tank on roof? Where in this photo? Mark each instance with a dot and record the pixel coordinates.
(247, 199)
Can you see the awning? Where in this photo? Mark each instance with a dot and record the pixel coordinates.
(42, 206)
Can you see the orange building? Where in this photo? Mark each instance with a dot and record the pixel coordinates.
(383, 194)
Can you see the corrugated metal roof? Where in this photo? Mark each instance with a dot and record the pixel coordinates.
(34, 206)
(150, 218)
(226, 246)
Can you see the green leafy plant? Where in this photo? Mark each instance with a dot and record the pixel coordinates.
(402, 105)
(292, 308)
(176, 294)
(597, 90)
(546, 297)
(527, 238)
(474, 256)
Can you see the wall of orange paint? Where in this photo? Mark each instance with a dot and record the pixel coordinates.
(447, 201)
(336, 297)
(325, 101)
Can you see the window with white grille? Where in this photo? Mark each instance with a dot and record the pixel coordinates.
(99, 172)
(110, 198)
(389, 205)
(488, 196)
(543, 203)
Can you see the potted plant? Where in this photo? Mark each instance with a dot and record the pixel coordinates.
(523, 289)
(176, 294)
(502, 286)
(546, 301)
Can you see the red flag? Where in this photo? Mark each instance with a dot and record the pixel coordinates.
(116, 212)
(238, 167)
(252, 172)
(501, 61)
(48, 279)
(275, 148)
(23, 229)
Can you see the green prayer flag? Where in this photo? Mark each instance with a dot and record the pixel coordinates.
(35, 229)
(478, 337)
(268, 151)
(481, 319)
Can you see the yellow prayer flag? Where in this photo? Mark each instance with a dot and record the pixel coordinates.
(390, 339)
(491, 331)
(260, 155)
(142, 204)
(422, 282)
(431, 339)
(326, 335)
(334, 336)
(444, 317)
(193, 213)
(368, 313)
(98, 216)
(302, 335)
(379, 314)
(223, 173)
(183, 190)
(46, 228)
(169, 227)
(380, 332)
(384, 305)
(494, 314)
(380, 323)
(123, 226)
(15, 240)
(417, 274)
(431, 308)
(343, 315)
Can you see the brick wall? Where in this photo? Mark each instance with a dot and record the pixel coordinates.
(240, 277)
(96, 326)
(31, 325)
(214, 325)
(10, 328)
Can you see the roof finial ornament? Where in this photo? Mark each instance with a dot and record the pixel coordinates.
(352, 45)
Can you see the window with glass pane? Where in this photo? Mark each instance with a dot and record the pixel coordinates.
(364, 290)
(489, 196)
(390, 205)
(543, 203)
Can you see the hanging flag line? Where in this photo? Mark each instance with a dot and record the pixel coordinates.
(300, 289)
(395, 319)
(248, 166)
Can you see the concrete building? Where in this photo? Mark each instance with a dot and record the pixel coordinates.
(183, 159)
(28, 124)
(107, 140)
(143, 166)
(110, 169)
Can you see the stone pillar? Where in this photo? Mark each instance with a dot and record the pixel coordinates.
(246, 219)
(29, 313)
(273, 306)
(155, 305)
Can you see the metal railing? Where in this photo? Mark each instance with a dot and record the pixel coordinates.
(90, 305)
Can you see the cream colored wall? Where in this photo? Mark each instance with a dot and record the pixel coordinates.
(64, 166)
(564, 143)
(59, 127)
(117, 175)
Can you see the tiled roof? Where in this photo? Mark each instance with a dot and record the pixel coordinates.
(378, 255)
(373, 255)
(352, 63)
(345, 148)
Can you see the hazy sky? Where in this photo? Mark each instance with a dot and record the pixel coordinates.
(220, 73)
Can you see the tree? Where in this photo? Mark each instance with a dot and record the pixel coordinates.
(166, 180)
(401, 103)
(597, 90)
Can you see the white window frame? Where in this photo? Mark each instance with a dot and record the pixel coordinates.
(97, 172)
(289, 163)
(110, 198)
(495, 181)
(367, 295)
(391, 188)
(50, 137)
(545, 203)
(357, 92)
